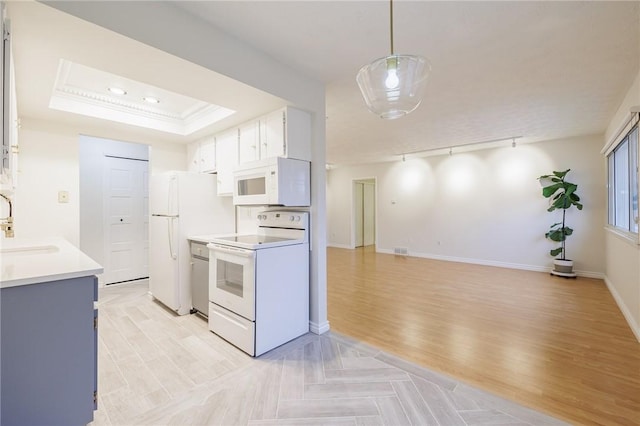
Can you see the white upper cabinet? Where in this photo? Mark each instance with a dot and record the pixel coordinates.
(273, 134)
(201, 155)
(282, 133)
(8, 112)
(227, 155)
(208, 155)
(249, 142)
(193, 156)
(296, 137)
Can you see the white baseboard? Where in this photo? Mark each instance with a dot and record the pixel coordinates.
(535, 268)
(635, 328)
(342, 246)
(318, 328)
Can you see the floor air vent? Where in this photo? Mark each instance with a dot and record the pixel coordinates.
(400, 250)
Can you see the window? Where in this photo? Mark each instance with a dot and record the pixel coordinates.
(623, 183)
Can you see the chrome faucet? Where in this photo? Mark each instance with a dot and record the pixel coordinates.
(6, 224)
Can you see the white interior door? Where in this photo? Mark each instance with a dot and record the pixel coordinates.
(364, 219)
(359, 215)
(126, 201)
(368, 214)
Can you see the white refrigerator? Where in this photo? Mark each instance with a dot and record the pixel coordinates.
(181, 204)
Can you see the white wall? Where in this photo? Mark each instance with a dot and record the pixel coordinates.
(482, 206)
(622, 268)
(49, 161)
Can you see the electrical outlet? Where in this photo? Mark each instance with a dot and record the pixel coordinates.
(63, 196)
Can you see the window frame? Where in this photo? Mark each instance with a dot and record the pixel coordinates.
(629, 142)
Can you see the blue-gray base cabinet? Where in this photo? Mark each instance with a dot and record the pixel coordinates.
(48, 353)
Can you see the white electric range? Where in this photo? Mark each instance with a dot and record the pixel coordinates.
(259, 283)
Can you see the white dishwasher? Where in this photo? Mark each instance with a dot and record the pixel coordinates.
(199, 278)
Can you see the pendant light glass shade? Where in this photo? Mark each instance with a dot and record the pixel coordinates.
(393, 86)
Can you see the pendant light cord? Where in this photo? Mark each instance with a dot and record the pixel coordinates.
(391, 23)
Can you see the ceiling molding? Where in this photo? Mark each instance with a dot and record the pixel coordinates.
(82, 90)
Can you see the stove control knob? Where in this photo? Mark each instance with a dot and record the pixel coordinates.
(291, 218)
(297, 218)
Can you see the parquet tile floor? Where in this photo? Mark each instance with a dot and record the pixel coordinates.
(156, 368)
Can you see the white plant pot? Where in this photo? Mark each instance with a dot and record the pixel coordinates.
(563, 268)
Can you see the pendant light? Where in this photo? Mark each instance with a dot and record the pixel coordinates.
(393, 86)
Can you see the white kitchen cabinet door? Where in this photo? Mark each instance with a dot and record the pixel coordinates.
(193, 157)
(272, 135)
(249, 142)
(208, 155)
(227, 155)
(286, 133)
(201, 155)
(8, 114)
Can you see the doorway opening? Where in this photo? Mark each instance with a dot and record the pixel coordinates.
(364, 212)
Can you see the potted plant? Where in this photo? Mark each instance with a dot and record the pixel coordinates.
(562, 195)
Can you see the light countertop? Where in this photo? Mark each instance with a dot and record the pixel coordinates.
(35, 260)
(205, 239)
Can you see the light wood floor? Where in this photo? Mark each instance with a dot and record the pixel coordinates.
(559, 346)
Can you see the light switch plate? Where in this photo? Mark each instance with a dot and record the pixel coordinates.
(63, 196)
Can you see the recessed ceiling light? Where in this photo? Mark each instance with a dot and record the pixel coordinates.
(117, 91)
(151, 100)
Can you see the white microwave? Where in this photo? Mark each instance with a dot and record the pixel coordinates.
(273, 181)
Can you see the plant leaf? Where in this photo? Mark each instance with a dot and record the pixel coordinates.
(556, 251)
(561, 175)
(556, 235)
(548, 191)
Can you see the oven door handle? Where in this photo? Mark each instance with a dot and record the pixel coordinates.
(231, 250)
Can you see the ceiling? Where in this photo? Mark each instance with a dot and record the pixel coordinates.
(537, 70)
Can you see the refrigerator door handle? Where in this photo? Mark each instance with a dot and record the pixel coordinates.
(170, 229)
